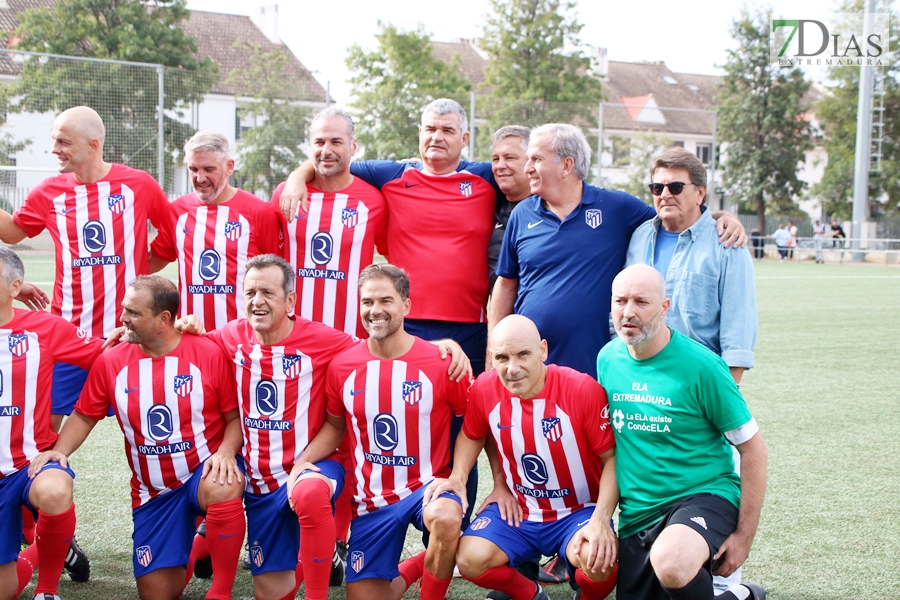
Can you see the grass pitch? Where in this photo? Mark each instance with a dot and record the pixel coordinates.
(824, 392)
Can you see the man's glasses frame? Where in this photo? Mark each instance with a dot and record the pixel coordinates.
(675, 187)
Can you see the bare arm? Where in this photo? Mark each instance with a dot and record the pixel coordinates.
(736, 548)
(503, 301)
(73, 434)
(294, 193)
(737, 373)
(506, 501)
(222, 465)
(10, 233)
(464, 457)
(602, 543)
(157, 264)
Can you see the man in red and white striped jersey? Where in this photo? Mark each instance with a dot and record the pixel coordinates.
(212, 233)
(96, 212)
(173, 396)
(30, 343)
(331, 243)
(557, 452)
(394, 394)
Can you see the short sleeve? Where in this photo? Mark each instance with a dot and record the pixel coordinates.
(508, 260)
(475, 425)
(334, 403)
(227, 387)
(157, 202)
(163, 245)
(31, 217)
(95, 398)
(377, 172)
(73, 345)
(271, 237)
(595, 416)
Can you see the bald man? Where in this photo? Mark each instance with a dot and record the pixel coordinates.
(96, 213)
(676, 410)
(552, 432)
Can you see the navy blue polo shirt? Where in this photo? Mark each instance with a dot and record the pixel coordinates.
(566, 268)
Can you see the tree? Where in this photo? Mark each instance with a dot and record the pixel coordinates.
(762, 120)
(270, 150)
(393, 83)
(643, 148)
(126, 97)
(535, 74)
(836, 113)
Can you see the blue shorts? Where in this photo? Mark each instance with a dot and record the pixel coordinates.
(14, 490)
(376, 539)
(529, 541)
(67, 383)
(273, 531)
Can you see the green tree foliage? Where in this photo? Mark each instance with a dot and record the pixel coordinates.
(643, 148)
(762, 121)
(270, 150)
(126, 97)
(836, 113)
(392, 84)
(535, 74)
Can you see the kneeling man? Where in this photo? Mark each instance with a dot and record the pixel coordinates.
(557, 452)
(175, 401)
(686, 514)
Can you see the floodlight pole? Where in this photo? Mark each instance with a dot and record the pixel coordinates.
(863, 157)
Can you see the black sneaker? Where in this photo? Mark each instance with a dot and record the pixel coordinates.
(497, 595)
(553, 571)
(756, 591)
(77, 563)
(338, 564)
(46, 596)
(540, 594)
(203, 567)
(245, 562)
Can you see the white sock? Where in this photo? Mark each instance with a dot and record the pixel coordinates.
(740, 592)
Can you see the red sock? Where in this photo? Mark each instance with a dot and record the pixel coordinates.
(596, 590)
(28, 525)
(507, 580)
(343, 512)
(312, 503)
(25, 567)
(225, 528)
(412, 568)
(199, 551)
(52, 538)
(434, 588)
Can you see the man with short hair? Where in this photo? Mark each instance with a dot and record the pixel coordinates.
(174, 398)
(552, 431)
(30, 343)
(393, 394)
(564, 245)
(96, 213)
(331, 243)
(508, 157)
(213, 232)
(685, 513)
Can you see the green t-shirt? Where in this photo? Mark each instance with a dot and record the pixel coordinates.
(669, 413)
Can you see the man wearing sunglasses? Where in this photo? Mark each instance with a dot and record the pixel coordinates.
(711, 286)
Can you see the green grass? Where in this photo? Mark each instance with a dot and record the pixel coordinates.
(824, 392)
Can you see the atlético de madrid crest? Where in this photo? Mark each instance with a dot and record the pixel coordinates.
(465, 188)
(593, 217)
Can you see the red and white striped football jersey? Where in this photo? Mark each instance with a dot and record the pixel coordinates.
(30, 344)
(329, 246)
(281, 391)
(100, 233)
(170, 408)
(549, 446)
(213, 244)
(398, 418)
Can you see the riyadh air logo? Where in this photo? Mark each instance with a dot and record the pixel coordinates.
(357, 560)
(159, 422)
(535, 469)
(232, 230)
(116, 203)
(184, 385)
(465, 188)
(291, 366)
(593, 217)
(143, 555)
(349, 217)
(18, 344)
(210, 265)
(321, 247)
(830, 40)
(412, 392)
(551, 428)
(386, 430)
(93, 236)
(266, 398)
(618, 420)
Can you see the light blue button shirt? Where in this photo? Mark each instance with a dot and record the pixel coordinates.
(711, 287)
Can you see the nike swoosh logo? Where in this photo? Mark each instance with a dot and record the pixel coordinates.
(357, 392)
(409, 185)
(321, 559)
(186, 230)
(533, 225)
(246, 362)
(65, 210)
(129, 390)
(225, 537)
(499, 426)
(498, 225)
(301, 215)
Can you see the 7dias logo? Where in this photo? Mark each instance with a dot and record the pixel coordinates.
(835, 41)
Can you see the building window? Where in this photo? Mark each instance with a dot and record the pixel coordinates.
(704, 153)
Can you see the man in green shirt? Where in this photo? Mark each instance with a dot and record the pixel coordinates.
(675, 409)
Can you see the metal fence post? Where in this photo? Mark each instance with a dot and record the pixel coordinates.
(600, 146)
(161, 129)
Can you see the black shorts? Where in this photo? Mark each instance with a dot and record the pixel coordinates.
(637, 581)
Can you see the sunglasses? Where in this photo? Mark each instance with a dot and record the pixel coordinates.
(675, 187)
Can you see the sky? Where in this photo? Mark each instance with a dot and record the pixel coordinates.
(690, 37)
